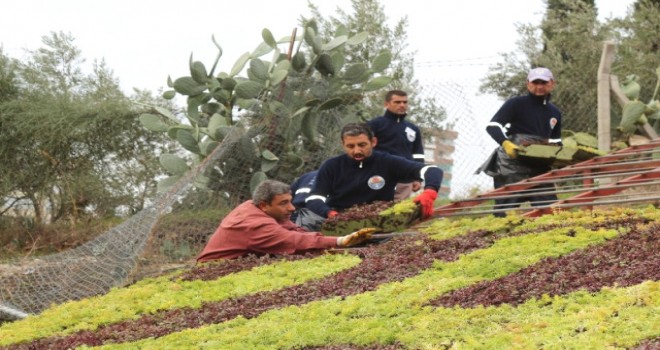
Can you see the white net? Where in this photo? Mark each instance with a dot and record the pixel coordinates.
(172, 231)
(150, 241)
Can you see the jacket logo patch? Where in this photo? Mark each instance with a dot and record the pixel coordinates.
(376, 182)
(410, 134)
(553, 122)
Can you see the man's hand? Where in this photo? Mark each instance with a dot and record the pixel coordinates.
(332, 214)
(416, 185)
(510, 148)
(356, 237)
(426, 199)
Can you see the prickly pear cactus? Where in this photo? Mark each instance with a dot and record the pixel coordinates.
(636, 112)
(282, 93)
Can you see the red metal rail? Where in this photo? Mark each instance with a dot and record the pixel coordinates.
(633, 167)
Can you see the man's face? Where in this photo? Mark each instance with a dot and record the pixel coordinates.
(280, 208)
(358, 147)
(540, 87)
(397, 104)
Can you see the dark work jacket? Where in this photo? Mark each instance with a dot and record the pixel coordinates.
(302, 188)
(530, 115)
(398, 136)
(524, 120)
(343, 182)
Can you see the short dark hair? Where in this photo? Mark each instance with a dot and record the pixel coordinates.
(389, 94)
(356, 129)
(267, 190)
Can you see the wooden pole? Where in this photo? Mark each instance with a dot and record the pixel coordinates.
(604, 118)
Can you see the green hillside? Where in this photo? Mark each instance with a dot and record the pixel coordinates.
(570, 280)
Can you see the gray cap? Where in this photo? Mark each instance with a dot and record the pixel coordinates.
(540, 73)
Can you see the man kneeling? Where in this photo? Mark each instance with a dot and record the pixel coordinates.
(262, 226)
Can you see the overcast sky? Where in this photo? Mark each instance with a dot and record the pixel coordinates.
(144, 41)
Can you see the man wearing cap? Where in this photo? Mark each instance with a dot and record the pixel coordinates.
(524, 120)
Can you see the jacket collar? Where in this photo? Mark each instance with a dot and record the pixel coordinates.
(361, 163)
(396, 117)
(540, 99)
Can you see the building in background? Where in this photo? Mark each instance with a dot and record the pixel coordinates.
(439, 149)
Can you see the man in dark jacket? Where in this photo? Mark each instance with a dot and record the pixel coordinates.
(524, 120)
(301, 188)
(397, 135)
(364, 175)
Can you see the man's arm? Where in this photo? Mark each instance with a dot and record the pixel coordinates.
(496, 131)
(555, 136)
(274, 238)
(496, 128)
(432, 176)
(302, 188)
(316, 201)
(418, 146)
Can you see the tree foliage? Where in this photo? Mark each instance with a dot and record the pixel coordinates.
(277, 112)
(8, 83)
(67, 137)
(369, 16)
(569, 42)
(638, 54)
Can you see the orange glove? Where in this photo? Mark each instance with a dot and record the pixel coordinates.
(426, 199)
(356, 237)
(332, 214)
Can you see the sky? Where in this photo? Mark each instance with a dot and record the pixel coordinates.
(145, 41)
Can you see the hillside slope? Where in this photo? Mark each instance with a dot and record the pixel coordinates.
(576, 280)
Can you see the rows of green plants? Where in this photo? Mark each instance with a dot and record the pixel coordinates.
(395, 308)
(625, 261)
(380, 264)
(167, 292)
(612, 318)
(392, 294)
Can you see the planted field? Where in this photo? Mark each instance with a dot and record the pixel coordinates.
(571, 280)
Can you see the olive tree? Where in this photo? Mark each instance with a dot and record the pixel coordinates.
(65, 137)
(369, 16)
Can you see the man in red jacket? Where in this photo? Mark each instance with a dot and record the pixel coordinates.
(262, 226)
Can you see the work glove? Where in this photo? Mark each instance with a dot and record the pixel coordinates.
(510, 148)
(426, 200)
(356, 237)
(332, 214)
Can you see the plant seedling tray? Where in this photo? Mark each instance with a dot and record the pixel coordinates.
(556, 156)
(387, 223)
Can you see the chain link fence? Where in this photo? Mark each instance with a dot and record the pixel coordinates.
(455, 85)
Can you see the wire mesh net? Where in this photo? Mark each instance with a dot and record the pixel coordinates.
(174, 229)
